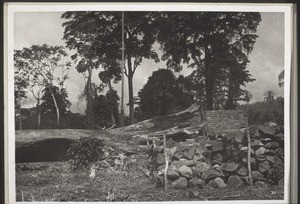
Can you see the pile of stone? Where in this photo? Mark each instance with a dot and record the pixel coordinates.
(222, 162)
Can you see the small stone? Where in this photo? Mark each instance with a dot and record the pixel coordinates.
(217, 167)
(234, 182)
(190, 163)
(211, 173)
(217, 183)
(253, 131)
(261, 157)
(239, 137)
(260, 150)
(196, 182)
(190, 140)
(256, 144)
(160, 159)
(199, 150)
(245, 149)
(172, 175)
(266, 131)
(271, 124)
(242, 171)
(260, 184)
(274, 160)
(270, 152)
(179, 163)
(252, 160)
(265, 140)
(217, 146)
(217, 157)
(272, 145)
(180, 184)
(189, 153)
(185, 171)
(264, 166)
(230, 135)
(229, 167)
(257, 176)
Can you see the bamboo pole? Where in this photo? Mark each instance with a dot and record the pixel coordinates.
(166, 162)
(249, 158)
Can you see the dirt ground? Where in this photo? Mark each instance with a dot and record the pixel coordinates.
(55, 181)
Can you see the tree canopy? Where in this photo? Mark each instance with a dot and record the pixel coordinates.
(215, 43)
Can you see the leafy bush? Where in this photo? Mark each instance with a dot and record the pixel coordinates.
(85, 151)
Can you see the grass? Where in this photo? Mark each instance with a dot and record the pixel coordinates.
(54, 181)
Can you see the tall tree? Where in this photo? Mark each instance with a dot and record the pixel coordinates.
(46, 66)
(106, 31)
(49, 106)
(20, 83)
(205, 41)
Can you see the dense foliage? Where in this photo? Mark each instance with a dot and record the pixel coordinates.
(85, 151)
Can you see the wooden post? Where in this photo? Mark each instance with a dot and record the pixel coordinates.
(249, 158)
(166, 162)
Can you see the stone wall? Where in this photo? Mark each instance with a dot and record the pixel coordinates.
(222, 120)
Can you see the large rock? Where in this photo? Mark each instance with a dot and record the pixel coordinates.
(264, 166)
(272, 145)
(234, 182)
(196, 182)
(211, 173)
(200, 168)
(229, 167)
(217, 183)
(257, 176)
(185, 171)
(180, 184)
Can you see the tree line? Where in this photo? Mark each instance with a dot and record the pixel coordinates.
(215, 45)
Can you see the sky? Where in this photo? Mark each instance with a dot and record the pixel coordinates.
(266, 59)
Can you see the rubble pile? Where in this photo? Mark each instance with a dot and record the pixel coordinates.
(221, 162)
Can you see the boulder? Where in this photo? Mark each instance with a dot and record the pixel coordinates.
(264, 166)
(229, 167)
(242, 171)
(211, 173)
(217, 183)
(234, 182)
(272, 145)
(196, 182)
(180, 183)
(190, 163)
(257, 176)
(200, 168)
(185, 171)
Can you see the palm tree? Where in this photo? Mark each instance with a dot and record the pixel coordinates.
(269, 98)
(247, 97)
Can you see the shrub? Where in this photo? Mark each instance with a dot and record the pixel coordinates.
(85, 151)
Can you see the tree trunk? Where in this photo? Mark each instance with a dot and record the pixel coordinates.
(56, 107)
(39, 113)
(89, 97)
(209, 81)
(166, 162)
(130, 90)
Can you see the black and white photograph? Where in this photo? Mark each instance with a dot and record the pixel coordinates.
(149, 102)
